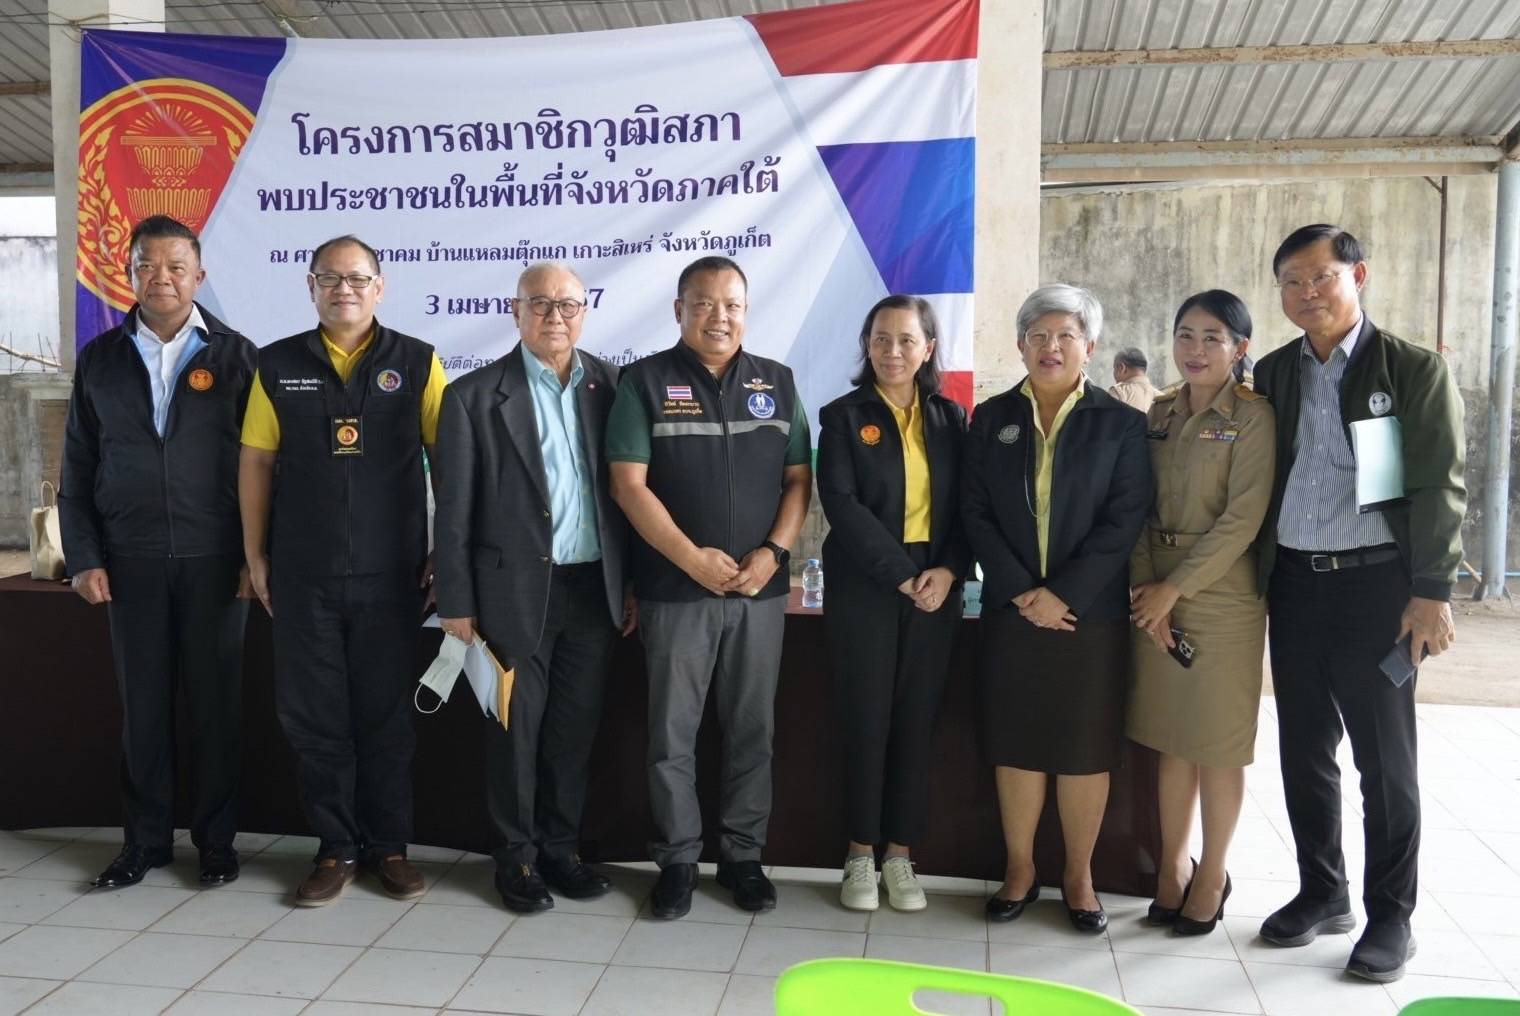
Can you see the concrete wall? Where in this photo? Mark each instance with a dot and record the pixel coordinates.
(1144, 250)
(29, 312)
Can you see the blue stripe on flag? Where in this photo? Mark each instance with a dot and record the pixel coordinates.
(914, 205)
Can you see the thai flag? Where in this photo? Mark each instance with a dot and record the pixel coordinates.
(678, 393)
(887, 89)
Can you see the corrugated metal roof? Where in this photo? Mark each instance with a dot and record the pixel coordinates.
(1468, 97)
(1230, 102)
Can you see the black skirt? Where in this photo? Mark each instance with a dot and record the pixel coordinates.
(1052, 701)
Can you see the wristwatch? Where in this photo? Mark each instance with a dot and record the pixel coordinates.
(783, 556)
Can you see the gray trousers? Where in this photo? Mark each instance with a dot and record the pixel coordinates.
(732, 644)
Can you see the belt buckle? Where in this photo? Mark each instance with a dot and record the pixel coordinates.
(1167, 539)
(1323, 562)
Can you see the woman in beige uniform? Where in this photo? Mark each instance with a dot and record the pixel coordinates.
(1212, 448)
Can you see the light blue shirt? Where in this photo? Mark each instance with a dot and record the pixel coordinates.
(572, 498)
(165, 360)
(1319, 504)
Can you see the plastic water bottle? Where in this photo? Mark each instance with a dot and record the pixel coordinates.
(812, 583)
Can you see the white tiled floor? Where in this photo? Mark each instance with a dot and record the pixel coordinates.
(169, 946)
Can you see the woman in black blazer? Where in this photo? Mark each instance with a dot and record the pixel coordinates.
(888, 476)
(1056, 485)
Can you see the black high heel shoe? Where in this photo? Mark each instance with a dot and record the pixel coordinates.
(1159, 916)
(1188, 926)
(1000, 910)
(1089, 922)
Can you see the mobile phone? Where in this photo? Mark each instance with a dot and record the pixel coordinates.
(1399, 665)
(1182, 650)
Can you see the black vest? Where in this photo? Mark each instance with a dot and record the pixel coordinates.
(718, 451)
(348, 514)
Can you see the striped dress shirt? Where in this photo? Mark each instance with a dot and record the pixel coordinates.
(1319, 505)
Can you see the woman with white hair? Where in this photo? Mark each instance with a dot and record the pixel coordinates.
(1056, 484)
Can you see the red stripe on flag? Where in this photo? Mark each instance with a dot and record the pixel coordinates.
(857, 36)
(956, 385)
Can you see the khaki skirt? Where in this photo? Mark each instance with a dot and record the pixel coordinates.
(1204, 714)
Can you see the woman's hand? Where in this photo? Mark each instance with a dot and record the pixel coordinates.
(1044, 609)
(931, 588)
(1151, 606)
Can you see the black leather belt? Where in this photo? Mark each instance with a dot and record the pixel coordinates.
(1340, 560)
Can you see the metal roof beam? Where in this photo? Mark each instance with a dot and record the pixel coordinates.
(1458, 49)
(26, 88)
(1265, 160)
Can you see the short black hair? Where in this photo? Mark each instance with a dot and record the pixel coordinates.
(928, 376)
(1222, 304)
(346, 240)
(1348, 249)
(156, 226)
(711, 263)
(1133, 357)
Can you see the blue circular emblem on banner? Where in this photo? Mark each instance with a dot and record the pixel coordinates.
(762, 406)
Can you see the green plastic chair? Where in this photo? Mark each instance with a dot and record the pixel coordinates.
(1462, 1007)
(860, 987)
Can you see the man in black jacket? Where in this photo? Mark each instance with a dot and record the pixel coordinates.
(530, 555)
(149, 518)
(337, 553)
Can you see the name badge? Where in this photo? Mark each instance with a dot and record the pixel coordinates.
(1217, 434)
(347, 435)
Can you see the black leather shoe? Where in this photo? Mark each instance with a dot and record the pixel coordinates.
(1160, 916)
(573, 879)
(671, 897)
(1186, 926)
(219, 865)
(1302, 919)
(131, 865)
(746, 880)
(1380, 955)
(1088, 922)
(1001, 911)
(522, 889)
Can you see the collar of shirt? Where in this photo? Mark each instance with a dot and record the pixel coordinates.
(147, 339)
(904, 417)
(537, 369)
(1346, 345)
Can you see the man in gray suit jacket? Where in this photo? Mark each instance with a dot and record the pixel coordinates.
(529, 554)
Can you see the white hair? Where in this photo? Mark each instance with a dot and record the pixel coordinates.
(1060, 298)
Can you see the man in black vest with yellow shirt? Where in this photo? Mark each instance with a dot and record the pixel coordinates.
(710, 456)
(337, 552)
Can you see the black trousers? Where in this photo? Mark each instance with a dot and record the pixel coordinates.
(177, 622)
(1328, 632)
(889, 663)
(536, 769)
(345, 654)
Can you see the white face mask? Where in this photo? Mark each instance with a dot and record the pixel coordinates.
(480, 668)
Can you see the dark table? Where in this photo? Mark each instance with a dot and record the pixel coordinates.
(61, 722)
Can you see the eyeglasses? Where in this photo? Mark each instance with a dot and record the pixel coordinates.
(542, 305)
(330, 280)
(1293, 287)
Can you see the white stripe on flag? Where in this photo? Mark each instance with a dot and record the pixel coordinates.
(893, 102)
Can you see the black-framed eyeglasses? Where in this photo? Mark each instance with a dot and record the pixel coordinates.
(330, 280)
(542, 305)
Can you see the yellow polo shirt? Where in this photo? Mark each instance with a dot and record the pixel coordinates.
(910, 425)
(1045, 464)
(261, 427)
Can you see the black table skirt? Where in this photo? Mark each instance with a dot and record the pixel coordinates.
(61, 721)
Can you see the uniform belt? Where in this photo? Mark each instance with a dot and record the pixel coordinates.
(1340, 560)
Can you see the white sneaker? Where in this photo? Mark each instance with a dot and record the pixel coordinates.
(858, 891)
(903, 890)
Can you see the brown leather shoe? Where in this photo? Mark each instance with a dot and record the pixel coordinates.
(326, 882)
(399, 879)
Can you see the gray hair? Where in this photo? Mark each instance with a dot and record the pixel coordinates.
(1132, 357)
(1060, 298)
(539, 267)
